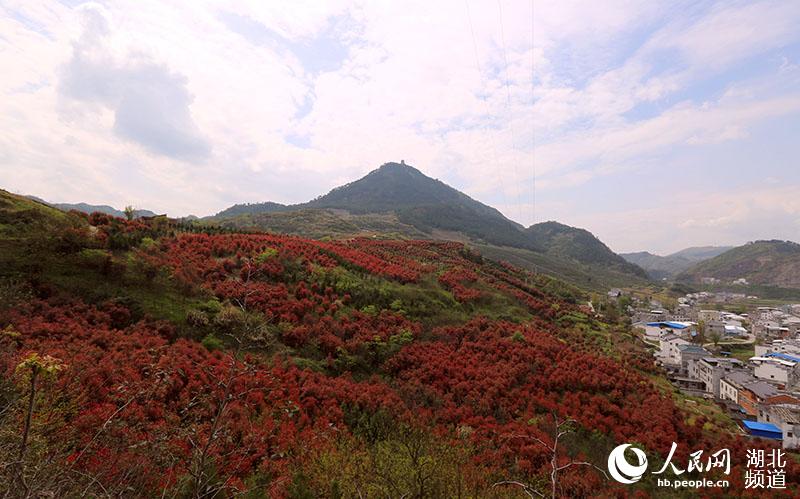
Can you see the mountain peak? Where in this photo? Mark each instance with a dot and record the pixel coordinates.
(397, 166)
(400, 169)
(390, 187)
(424, 203)
(552, 225)
(403, 194)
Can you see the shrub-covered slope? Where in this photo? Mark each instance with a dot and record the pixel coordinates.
(144, 359)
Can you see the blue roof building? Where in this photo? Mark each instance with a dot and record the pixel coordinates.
(669, 324)
(763, 430)
(783, 356)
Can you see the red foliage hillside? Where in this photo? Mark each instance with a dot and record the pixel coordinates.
(341, 374)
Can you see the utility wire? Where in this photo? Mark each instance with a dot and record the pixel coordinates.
(533, 122)
(486, 105)
(510, 109)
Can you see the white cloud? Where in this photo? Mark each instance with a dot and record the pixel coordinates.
(150, 102)
(184, 110)
(692, 216)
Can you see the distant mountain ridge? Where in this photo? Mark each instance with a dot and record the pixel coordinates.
(397, 186)
(700, 253)
(399, 199)
(768, 263)
(91, 208)
(667, 267)
(658, 267)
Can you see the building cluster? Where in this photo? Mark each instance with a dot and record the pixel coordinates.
(714, 280)
(714, 297)
(776, 322)
(763, 390)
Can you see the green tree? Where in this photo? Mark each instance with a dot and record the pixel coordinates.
(130, 212)
(701, 332)
(715, 338)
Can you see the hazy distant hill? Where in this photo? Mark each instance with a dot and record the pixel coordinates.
(660, 267)
(768, 263)
(397, 200)
(91, 208)
(700, 253)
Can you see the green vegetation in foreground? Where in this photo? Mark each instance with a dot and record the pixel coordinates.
(36, 245)
(47, 258)
(23, 217)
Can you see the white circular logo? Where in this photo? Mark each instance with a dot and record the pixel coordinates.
(621, 470)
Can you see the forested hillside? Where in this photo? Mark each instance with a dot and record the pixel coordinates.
(579, 245)
(768, 263)
(161, 359)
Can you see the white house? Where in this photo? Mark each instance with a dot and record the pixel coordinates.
(787, 418)
(710, 371)
(730, 384)
(735, 330)
(778, 368)
(670, 353)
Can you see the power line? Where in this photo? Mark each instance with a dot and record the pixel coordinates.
(486, 104)
(508, 105)
(533, 123)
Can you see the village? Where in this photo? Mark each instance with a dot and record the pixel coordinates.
(745, 358)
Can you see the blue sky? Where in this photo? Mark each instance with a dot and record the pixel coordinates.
(656, 125)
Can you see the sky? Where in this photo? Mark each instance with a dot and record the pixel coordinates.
(655, 125)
